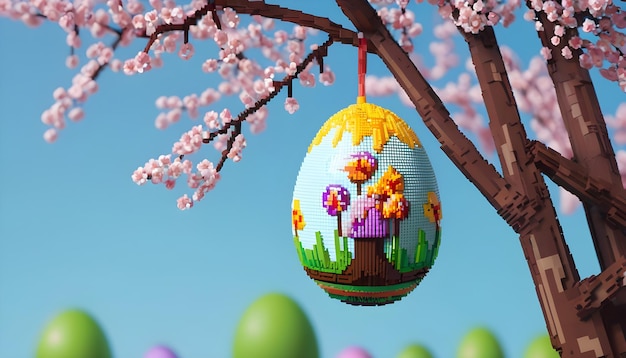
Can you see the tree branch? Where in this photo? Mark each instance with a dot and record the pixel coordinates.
(505, 124)
(596, 291)
(454, 143)
(336, 32)
(576, 179)
(317, 53)
(187, 22)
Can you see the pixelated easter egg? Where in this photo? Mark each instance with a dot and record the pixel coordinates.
(73, 334)
(365, 213)
(275, 326)
(160, 352)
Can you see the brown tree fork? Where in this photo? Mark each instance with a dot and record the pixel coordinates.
(549, 259)
(588, 136)
(546, 251)
(592, 149)
(578, 180)
(574, 338)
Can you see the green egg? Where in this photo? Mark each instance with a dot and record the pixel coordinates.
(415, 351)
(275, 326)
(480, 343)
(73, 334)
(541, 347)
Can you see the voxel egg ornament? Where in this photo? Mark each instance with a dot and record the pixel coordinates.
(365, 213)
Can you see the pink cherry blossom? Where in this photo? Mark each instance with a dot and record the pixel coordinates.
(130, 67)
(589, 25)
(142, 62)
(116, 65)
(191, 103)
(50, 135)
(170, 183)
(575, 42)
(189, 142)
(230, 18)
(76, 114)
(186, 51)
(307, 79)
(210, 120)
(71, 61)
(225, 116)
(529, 15)
(291, 105)
(609, 73)
(209, 65)
(73, 40)
(566, 52)
(569, 202)
(174, 115)
(585, 61)
(184, 202)
(327, 77)
(238, 145)
(559, 30)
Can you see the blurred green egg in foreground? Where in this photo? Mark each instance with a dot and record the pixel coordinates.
(541, 347)
(415, 351)
(73, 334)
(274, 326)
(480, 343)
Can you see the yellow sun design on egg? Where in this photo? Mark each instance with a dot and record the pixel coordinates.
(365, 119)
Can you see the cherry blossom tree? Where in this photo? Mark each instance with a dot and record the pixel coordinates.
(256, 61)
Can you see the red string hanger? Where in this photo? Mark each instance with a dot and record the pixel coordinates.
(362, 67)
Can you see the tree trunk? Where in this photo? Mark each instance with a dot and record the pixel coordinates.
(370, 266)
(592, 149)
(548, 256)
(521, 197)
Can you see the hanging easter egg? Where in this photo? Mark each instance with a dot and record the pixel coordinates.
(366, 212)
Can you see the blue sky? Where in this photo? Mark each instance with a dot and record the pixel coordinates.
(75, 231)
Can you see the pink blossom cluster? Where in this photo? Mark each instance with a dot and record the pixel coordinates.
(237, 147)
(240, 76)
(533, 88)
(617, 123)
(175, 106)
(463, 94)
(165, 171)
(99, 20)
(253, 79)
(250, 79)
(601, 18)
(67, 101)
